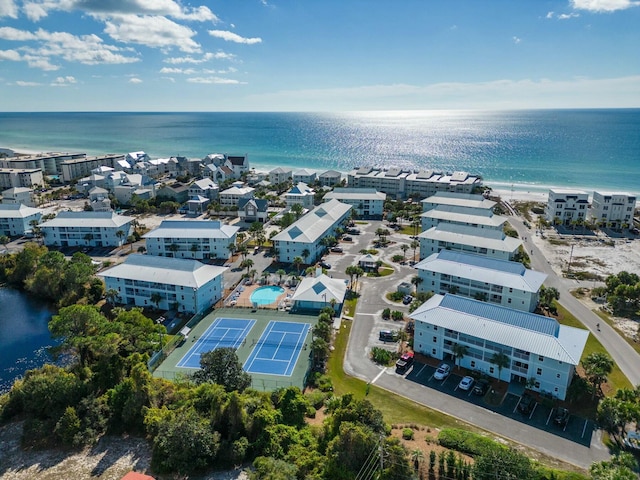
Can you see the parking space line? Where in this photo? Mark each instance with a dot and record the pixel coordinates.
(549, 417)
(584, 428)
(379, 375)
(423, 366)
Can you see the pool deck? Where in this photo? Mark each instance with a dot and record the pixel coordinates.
(244, 296)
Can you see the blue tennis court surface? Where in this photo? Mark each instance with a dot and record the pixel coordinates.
(278, 348)
(223, 332)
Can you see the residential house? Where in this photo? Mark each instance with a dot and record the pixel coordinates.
(99, 200)
(196, 239)
(368, 261)
(16, 219)
(538, 350)
(280, 175)
(315, 293)
(481, 241)
(300, 194)
(502, 282)
(613, 209)
(87, 229)
(166, 283)
(252, 210)
(231, 196)
(304, 175)
(239, 164)
(18, 195)
(567, 207)
(366, 202)
(204, 187)
(330, 178)
(304, 238)
(175, 192)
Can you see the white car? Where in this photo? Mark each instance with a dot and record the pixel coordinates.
(466, 383)
(442, 372)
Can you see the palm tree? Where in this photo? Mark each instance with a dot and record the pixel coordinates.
(404, 247)
(156, 298)
(280, 272)
(297, 210)
(120, 234)
(415, 244)
(247, 263)
(240, 237)
(305, 254)
(194, 249)
(297, 261)
(351, 271)
(459, 351)
(88, 237)
(265, 277)
(111, 295)
(141, 249)
(501, 361)
(173, 248)
(232, 248)
(242, 250)
(416, 457)
(4, 240)
(417, 280)
(359, 273)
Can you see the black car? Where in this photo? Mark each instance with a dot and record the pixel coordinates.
(527, 402)
(407, 299)
(481, 387)
(325, 265)
(562, 417)
(388, 336)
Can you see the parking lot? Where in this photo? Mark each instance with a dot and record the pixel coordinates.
(578, 430)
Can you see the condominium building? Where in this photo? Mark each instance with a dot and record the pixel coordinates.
(613, 209)
(196, 239)
(366, 202)
(304, 175)
(166, 283)
(304, 238)
(567, 206)
(20, 177)
(538, 350)
(452, 199)
(300, 194)
(90, 229)
(502, 282)
(280, 175)
(330, 178)
(481, 241)
(16, 219)
(19, 195)
(474, 217)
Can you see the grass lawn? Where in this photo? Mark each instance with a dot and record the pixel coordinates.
(616, 379)
(349, 307)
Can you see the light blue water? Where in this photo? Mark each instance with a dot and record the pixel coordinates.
(532, 149)
(266, 295)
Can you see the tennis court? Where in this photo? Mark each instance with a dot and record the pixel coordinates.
(223, 332)
(278, 348)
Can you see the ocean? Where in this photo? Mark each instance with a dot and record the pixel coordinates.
(522, 150)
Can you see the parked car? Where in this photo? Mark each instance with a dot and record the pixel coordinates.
(562, 417)
(526, 404)
(388, 336)
(481, 387)
(347, 238)
(404, 362)
(336, 249)
(407, 299)
(353, 231)
(466, 383)
(442, 371)
(325, 265)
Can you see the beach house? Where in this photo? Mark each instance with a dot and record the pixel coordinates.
(253, 210)
(86, 229)
(18, 195)
(465, 238)
(304, 175)
(567, 207)
(366, 202)
(613, 209)
(166, 283)
(300, 194)
(232, 195)
(205, 187)
(330, 178)
(196, 239)
(16, 219)
(304, 238)
(502, 282)
(280, 175)
(536, 350)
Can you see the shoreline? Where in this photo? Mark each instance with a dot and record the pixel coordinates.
(506, 190)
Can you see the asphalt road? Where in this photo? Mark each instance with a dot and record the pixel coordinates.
(364, 334)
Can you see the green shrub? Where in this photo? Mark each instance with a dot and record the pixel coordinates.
(386, 314)
(467, 442)
(396, 296)
(381, 356)
(316, 399)
(311, 412)
(407, 434)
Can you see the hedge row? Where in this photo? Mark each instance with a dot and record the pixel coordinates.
(467, 442)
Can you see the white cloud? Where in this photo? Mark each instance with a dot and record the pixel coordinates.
(234, 37)
(38, 9)
(135, 80)
(169, 79)
(8, 8)
(63, 81)
(550, 14)
(604, 5)
(516, 40)
(152, 31)
(213, 80)
(10, 33)
(22, 83)
(11, 55)
(562, 16)
(205, 58)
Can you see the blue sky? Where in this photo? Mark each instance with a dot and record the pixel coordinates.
(317, 55)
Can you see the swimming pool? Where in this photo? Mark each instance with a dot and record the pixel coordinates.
(266, 295)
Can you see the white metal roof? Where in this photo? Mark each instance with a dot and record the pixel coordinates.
(17, 210)
(460, 199)
(314, 224)
(320, 289)
(88, 219)
(522, 330)
(237, 191)
(356, 194)
(165, 270)
(475, 236)
(192, 229)
(483, 269)
(470, 216)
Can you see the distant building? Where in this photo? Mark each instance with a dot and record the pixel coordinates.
(90, 229)
(330, 178)
(304, 175)
(366, 202)
(176, 192)
(231, 196)
(453, 199)
(280, 175)
(15, 219)
(306, 234)
(480, 241)
(566, 206)
(20, 177)
(613, 209)
(252, 210)
(238, 163)
(18, 195)
(204, 187)
(502, 282)
(74, 168)
(540, 351)
(300, 194)
(196, 239)
(473, 217)
(99, 200)
(189, 285)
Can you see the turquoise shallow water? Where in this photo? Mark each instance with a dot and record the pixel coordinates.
(530, 149)
(266, 295)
